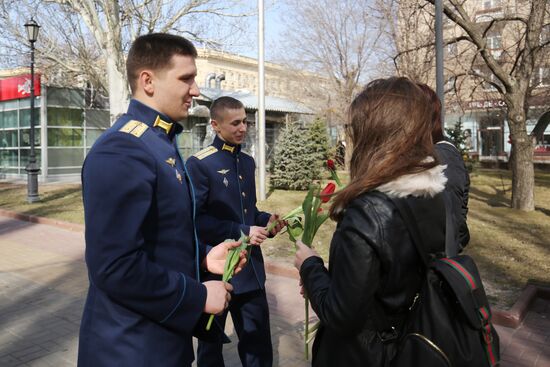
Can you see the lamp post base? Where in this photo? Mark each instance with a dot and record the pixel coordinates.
(32, 183)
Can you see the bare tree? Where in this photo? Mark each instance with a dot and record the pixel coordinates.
(337, 42)
(89, 38)
(477, 65)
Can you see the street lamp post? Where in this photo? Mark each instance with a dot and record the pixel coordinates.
(32, 167)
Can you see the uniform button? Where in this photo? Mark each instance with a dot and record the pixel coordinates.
(241, 177)
(244, 195)
(245, 211)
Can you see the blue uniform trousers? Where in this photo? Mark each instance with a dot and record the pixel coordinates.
(250, 315)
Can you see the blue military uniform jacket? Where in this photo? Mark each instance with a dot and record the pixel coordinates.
(225, 191)
(144, 298)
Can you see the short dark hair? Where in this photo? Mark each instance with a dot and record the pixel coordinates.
(154, 51)
(224, 103)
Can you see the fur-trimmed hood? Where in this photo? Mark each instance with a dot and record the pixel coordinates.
(423, 184)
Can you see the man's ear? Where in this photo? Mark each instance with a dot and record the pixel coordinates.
(145, 82)
(215, 125)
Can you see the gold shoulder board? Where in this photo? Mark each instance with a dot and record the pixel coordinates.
(205, 152)
(134, 127)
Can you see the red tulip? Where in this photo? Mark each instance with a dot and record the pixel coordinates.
(331, 165)
(327, 192)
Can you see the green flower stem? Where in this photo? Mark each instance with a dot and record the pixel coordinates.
(334, 176)
(231, 262)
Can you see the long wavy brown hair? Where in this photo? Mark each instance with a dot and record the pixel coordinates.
(390, 127)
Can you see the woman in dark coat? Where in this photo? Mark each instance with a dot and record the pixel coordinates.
(373, 262)
(457, 188)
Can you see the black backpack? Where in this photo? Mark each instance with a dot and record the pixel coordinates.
(449, 322)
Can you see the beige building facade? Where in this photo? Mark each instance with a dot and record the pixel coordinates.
(240, 73)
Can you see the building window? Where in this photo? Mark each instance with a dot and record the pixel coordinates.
(490, 4)
(545, 34)
(8, 139)
(65, 137)
(8, 119)
(541, 77)
(450, 84)
(494, 44)
(485, 85)
(58, 116)
(494, 41)
(451, 49)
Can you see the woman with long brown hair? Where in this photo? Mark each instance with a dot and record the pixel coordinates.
(373, 262)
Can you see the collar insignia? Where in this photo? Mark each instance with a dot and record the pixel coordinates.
(223, 171)
(171, 161)
(229, 148)
(166, 126)
(225, 182)
(178, 176)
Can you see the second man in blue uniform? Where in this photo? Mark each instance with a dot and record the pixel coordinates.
(225, 190)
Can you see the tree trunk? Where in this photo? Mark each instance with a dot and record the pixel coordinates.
(118, 90)
(523, 174)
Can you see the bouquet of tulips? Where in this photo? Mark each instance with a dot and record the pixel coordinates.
(304, 221)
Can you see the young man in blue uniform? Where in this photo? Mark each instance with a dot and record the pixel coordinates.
(145, 297)
(225, 189)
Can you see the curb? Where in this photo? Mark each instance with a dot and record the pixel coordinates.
(512, 318)
(42, 220)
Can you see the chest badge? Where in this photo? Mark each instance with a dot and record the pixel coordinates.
(171, 161)
(224, 172)
(178, 175)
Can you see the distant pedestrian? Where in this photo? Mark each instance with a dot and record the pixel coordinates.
(457, 188)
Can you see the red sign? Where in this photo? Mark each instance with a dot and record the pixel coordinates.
(18, 87)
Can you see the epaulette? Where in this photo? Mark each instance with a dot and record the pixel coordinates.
(134, 127)
(205, 152)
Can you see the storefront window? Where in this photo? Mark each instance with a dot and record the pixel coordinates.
(25, 153)
(92, 135)
(58, 137)
(8, 158)
(65, 157)
(8, 139)
(25, 117)
(64, 116)
(65, 97)
(25, 137)
(8, 119)
(97, 118)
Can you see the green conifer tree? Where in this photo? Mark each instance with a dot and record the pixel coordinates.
(292, 162)
(457, 137)
(318, 146)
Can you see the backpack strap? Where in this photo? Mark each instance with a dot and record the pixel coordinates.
(408, 218)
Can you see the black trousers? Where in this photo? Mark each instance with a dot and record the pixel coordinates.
(250, 315)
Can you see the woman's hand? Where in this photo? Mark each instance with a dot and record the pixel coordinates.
(214, 261)
(276, 223)
(302, 253)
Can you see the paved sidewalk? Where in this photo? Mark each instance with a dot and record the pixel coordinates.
(43, 283)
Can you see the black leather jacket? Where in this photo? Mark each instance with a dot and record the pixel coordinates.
(372, 259)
